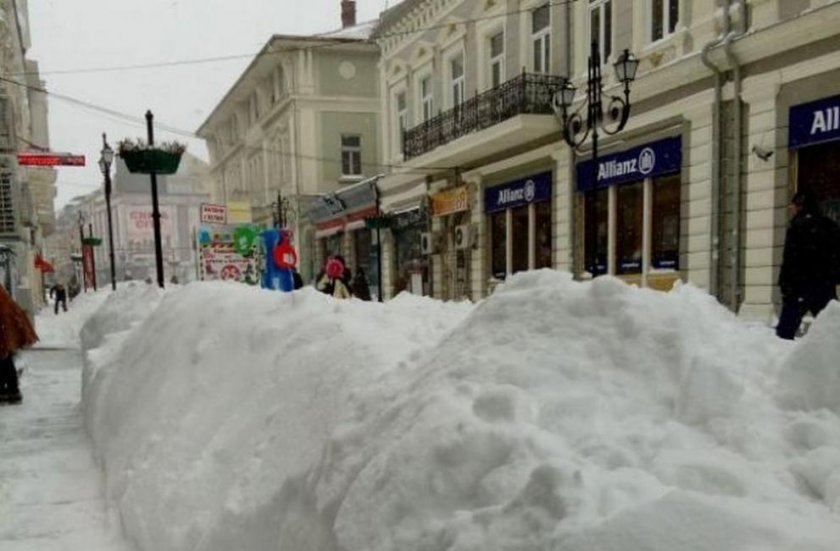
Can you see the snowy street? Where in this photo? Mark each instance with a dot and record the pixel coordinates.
(51, 490)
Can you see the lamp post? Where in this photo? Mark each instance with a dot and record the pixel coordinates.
(577, 128)
(106, 157)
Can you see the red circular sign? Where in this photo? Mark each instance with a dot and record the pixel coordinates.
(230, 272)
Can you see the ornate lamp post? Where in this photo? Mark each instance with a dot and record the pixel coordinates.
(577, 127)
(106, 158)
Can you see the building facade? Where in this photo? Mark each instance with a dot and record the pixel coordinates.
(735, 106)
(301, 121)
(26, 193)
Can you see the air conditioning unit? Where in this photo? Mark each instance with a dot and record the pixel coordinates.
(428, 243)
(464, 236)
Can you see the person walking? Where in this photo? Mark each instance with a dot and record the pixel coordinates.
(334, 279)
(810, 265)
(16, 332)
(59, 293)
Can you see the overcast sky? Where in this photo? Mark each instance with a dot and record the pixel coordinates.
(70, 35)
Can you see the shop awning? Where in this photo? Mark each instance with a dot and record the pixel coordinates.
(42, 265)
(344, 210)
(404, 200)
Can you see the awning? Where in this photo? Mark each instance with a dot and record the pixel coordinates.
(328, 232)
(405, 200)
(42, 265)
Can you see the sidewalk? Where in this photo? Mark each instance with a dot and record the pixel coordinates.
(51, 490)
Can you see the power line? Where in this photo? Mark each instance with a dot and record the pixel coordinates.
(327, 42)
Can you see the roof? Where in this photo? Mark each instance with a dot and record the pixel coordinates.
(362, 31)
(392, 15)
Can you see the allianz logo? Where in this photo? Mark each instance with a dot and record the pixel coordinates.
(826, 120)
(525, 193)
(643, 164)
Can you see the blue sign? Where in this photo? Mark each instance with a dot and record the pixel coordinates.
(649, 160)
(815, 122)
(533, 189)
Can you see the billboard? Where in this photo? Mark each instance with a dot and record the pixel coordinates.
(140, 225)
(229, 253)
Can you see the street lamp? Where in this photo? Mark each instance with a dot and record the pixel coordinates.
(106, 157)
(577, 128)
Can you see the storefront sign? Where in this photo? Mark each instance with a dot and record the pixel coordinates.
(213, 214)
(533, 189)
(50, 159)
(450, 201)
(646, 161)
(140, 223)
(815, 122)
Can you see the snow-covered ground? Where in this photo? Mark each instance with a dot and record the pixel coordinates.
(62, 330)
(555, 415)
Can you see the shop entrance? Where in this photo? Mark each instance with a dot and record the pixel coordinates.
(818, 171)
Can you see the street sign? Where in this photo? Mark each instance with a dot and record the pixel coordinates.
(50, 159)
(213, 214)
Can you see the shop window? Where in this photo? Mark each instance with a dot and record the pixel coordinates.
(664, 15)
(364, 247)
(498, 244)
(332, 244)
(409, 257)
(665, 238)
(596, 233)
(629, 228)
(519, 238)
(541, 38)
(542, 227)
(351, 155)
(817, 170)
(600, 26)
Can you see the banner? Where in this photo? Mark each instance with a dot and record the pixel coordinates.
(646, 161)
(89, 266)
(230, 253)
(533, 189)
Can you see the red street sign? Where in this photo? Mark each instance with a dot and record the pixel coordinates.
(50, 159)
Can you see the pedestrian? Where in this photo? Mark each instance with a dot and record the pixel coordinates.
(16, 332)
(297, 279)
(361, 287)
(810, 264)
(59, 293)
(334, 278)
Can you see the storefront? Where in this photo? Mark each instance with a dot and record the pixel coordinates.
(411, 265)
(631, 214)
(453, 240)
(815, 140)
(519, 219)
(339, 220)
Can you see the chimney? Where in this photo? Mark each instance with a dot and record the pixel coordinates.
(348, 13)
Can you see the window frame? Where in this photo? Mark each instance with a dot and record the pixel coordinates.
(400, 117)
(457, 86)
(543, 38)
(349, 154)
(426, 97)
(508, 238)
(669, 28)
(497, 61)
(604, 7)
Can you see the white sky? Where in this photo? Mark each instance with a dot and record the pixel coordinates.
(84, 34)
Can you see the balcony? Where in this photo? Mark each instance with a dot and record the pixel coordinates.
(527, 94)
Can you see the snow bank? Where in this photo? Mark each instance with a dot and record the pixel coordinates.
(558, 415)
(62, 330)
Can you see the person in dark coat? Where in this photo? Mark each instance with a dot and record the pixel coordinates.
(16, 332)
(297, 279)
(59, 293)
(810, 265)
(361, 288)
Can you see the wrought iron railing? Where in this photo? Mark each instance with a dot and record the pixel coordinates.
(526, 94)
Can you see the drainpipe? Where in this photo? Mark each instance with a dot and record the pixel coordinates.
(736, 253)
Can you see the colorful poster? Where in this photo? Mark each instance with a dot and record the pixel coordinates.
(230, 253)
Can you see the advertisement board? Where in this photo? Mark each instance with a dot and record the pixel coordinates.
(229, 253)
(140, 224)
(213, 214)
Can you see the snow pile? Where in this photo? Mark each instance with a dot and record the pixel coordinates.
(62, 330)
(558, 415)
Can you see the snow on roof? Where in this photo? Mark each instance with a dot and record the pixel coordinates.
(362, 31)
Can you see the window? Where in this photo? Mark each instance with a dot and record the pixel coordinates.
(401, 118)
(664, 15)
(629, 228)
(665, 238)
(351, 155)
(600, 26)
(541, 38)
(456, 75)
(7, 211)
(498, 244)
(278, 85)
(596, 207)
(426, 99)
(519, 237)
(542, 227)
(497, 59)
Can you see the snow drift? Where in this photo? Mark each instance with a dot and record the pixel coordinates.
(553, 415)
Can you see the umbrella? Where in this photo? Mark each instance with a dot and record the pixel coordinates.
(16, 330)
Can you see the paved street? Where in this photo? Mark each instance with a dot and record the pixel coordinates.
(51, 490)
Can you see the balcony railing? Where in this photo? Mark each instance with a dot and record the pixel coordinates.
(526, 94)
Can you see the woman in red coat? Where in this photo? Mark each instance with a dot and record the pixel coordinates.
(16, 332)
